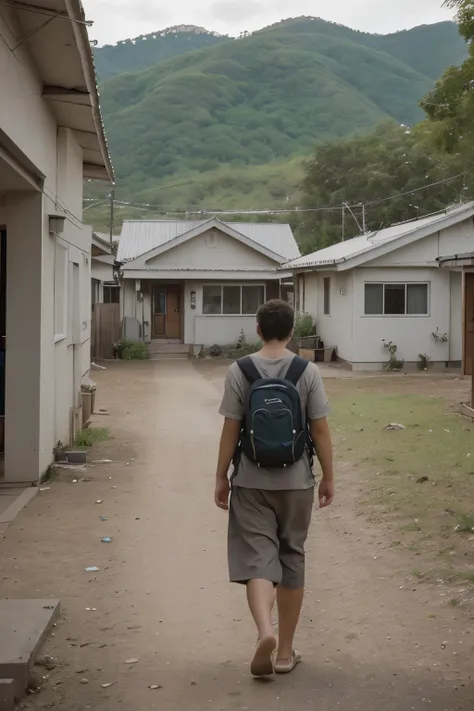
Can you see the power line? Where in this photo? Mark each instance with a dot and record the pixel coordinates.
(45, 11)
(284, 211)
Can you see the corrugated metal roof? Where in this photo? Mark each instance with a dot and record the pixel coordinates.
(342, 251)
(141, 236)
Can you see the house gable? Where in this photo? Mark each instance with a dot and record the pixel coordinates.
(456, 239)
(210, 250)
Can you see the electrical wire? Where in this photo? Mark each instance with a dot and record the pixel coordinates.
(44, 11)
(32, 33)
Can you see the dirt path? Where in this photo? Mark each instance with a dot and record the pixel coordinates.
(161, 596)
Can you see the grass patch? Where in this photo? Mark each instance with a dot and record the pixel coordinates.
(87, 438)
(418, 480)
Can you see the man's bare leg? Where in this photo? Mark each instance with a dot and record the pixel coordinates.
(290, 603)
(261, 599)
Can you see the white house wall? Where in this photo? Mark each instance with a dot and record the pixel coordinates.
(335, 329)
(204, 330)
(457, 239)
(24, 115)
(412, 334)
(102, 269)
(456, 322)
(43, 377)
(202, 252)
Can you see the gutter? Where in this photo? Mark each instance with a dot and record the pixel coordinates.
(76, 11)
(313, 265)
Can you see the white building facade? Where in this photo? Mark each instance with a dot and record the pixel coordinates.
(51, 137)
(390, 286)
(200, 283)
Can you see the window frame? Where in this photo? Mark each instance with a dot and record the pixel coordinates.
(61, 300)
(406, 284)
(112, 285)
(327, 296)
(241, 286)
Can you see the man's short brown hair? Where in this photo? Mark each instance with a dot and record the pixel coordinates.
(276, 320)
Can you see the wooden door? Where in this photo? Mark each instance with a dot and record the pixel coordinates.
(173, 312)
(167, 311)
(469, 324)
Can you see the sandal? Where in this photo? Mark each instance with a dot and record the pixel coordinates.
(286, 666)
(262, 664)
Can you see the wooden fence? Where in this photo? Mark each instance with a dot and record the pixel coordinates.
(105, 330)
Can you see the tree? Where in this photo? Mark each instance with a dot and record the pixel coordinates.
(375, 170)
(464, 16)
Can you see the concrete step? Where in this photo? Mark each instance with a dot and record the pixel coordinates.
(24, 625)
(168, 356)
(168, 348)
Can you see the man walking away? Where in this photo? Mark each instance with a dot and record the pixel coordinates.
(275, 410)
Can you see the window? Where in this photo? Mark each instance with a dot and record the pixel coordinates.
(212, 300)
(396, 299)
(232, 300)
(111, 294)
(252, 298)
(60, 295)
(327, 296)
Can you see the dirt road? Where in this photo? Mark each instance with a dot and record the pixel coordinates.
(370, 639)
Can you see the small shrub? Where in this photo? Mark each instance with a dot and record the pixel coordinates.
(304, 326)
(394, 364)
(89, 437)
(134, 350)
(423, 361)
(244, 348)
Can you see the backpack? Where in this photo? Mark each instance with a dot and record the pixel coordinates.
(274, 432)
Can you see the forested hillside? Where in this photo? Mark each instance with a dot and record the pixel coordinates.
(234, 125)
(132, 55)
(266, 97)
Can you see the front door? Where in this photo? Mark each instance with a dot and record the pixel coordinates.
(167, 311)
(469, 325)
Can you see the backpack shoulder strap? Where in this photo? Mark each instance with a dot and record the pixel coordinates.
(295, 371)
(249, 369)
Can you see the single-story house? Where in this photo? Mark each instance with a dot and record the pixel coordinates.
(51, 137)
(104, 287)
(400, 285)
(201, 283)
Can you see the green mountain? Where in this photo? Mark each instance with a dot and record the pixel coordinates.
(240, 105)
(133, 55)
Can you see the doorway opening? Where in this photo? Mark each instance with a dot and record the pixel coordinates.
(167, 308)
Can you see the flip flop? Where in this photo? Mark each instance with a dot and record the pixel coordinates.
(286, 666)
(262, 664)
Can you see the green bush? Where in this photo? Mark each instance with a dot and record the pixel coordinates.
(304, 326)
(132, 350)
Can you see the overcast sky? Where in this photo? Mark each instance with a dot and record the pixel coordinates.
(119, 19)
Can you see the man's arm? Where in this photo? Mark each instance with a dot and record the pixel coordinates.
(229, 440)
(323, 445)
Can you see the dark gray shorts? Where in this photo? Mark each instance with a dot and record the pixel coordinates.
(267, 535)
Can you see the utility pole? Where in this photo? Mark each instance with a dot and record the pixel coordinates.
(363, 220)
(343, 222)
(112, 207)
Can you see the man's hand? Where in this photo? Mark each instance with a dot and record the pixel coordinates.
(222, 493)
(326, 493)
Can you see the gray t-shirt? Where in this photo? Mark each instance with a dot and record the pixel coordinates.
(313, 402)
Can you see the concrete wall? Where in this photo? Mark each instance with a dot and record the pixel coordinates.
(102, 268)
(456, 320)
(24, 116)
(335, 329)
(44, 374)
(412, 334)
(199, 329)
(212, 250)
